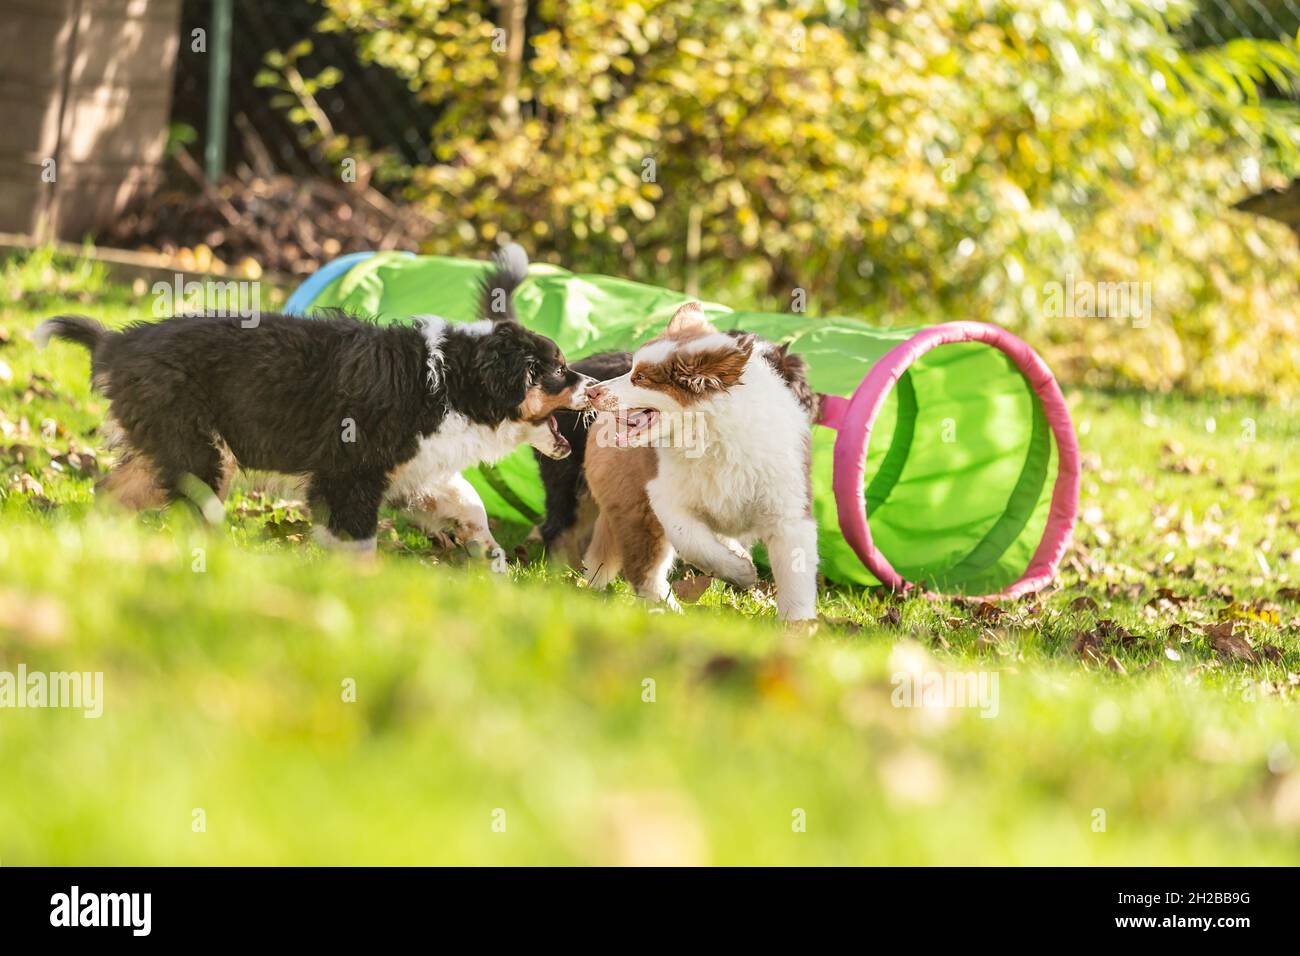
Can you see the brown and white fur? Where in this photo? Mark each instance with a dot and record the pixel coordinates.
(708, 451)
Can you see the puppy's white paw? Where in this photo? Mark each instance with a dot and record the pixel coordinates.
(495, 555)
(739, 572)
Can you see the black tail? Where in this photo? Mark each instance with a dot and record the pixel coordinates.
(71, 328)
(509, 269)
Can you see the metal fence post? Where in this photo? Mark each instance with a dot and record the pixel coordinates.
(214, 151)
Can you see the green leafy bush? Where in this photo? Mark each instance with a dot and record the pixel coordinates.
(902, 161)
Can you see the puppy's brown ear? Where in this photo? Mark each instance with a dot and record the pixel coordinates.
(711, 370)
(689, 320)
(794, 371)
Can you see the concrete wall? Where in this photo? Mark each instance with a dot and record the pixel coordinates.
(85, 94)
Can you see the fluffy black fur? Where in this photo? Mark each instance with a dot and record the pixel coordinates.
(563, 479)
(283, 395)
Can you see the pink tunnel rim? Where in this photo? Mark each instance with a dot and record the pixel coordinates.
(855, 417)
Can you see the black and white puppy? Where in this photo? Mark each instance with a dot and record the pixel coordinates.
(363, 414)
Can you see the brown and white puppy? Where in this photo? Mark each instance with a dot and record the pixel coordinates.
(360, 413)
(706, 451)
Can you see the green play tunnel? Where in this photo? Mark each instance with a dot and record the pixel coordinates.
(947, 459)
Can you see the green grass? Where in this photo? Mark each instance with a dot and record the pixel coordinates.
(226, 654)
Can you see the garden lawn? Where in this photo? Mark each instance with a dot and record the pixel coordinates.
(265, 702)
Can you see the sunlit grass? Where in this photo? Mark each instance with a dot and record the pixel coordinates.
(597, 732)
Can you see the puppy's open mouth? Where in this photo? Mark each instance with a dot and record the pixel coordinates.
(562, 447)
(634, 423)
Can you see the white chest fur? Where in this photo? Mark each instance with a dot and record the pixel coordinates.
(455, 446)
(752, 472)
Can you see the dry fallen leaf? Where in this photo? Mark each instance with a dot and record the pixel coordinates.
(1249, 612)
(1108, 630)
(1228, 643)
(1087, 644)
(690, 589)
